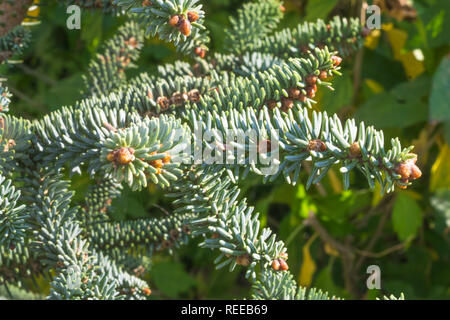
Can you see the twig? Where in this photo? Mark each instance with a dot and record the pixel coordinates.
(161, 208)
(346, 252)
(294, 233)
(26, 98)
(324, 235)
(378, 232)
(36, 74)
(383, 253)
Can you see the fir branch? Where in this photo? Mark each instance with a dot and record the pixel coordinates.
(5, 100)
(15, 141)
(323, 140)
(340, 34)
(16, 293)
(282, 286)
(14, 42)
(255, 20)
(99, 197)
(107, 72)
(13, 223)
(177, 21)
(228, 224)
(19, 263)
(132, 132)
(143, 235)
(147, 151)
(59, 243)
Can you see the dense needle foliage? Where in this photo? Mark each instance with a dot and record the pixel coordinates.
(98, 202)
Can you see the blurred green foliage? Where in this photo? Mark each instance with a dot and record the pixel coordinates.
(399, 82)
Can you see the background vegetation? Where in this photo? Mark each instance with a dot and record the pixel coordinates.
(399, 82)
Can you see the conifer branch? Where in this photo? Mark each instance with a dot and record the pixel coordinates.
(132, 132)
(107, 72)
(177, 21)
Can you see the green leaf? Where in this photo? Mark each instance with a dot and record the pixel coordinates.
(440, 92)
(171, 279)
(384, 110)
(406, 217)
(441, 203)
(332, 101)
(432, 25)
(399, 108)
(316, 9)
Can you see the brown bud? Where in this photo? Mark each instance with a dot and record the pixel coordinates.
(415, 172)
(311, 79)
(282, 8)
(310, 92)
(157, 163)
(146, 291)
(215, 235)
(186, 229)
(304, 49)
(194, 95)
(284, 255)
(9, 145)
(243, 260)
(302, 98)
(403, 186)
(408, 169)
(192, 16)
(174, 20)
(174, 234)
(132, 42)
(323, 75)
(354, 150)
(146, 3)
(276, 265)
(166, 159)
(110, 156)
(403, 169)
(294, 93)
(178, 98)
(283, 265)
(336, 60)
(286, 104)
(163, 103)
(316, 145)
(271, 104)
(185, 27)
(200, 52)
(124, 155)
